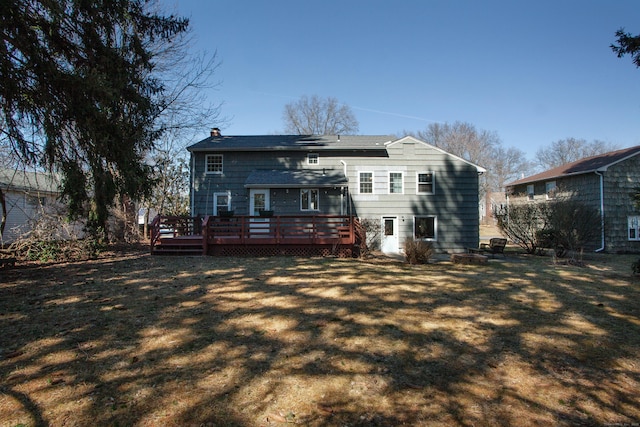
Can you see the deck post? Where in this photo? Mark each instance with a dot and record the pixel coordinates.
(314, 230)
(352, 231)
(205, 235)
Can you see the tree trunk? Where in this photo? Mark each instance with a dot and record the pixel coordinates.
(3, 202)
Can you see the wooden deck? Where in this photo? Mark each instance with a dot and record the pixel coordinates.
(322, 235)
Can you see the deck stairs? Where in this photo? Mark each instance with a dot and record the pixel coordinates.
(183, 245)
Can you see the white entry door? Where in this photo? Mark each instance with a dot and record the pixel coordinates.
(258, 201)
(390, 243)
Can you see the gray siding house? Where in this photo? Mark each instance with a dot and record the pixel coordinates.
(26, 195)
(604, 182)
(408, 188)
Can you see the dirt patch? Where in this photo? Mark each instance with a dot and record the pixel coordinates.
(147, 341)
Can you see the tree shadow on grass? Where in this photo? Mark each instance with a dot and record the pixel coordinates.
(230, 341)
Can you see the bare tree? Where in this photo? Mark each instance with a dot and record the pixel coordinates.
(569, 150)
(319, 116)
(481, 147)
(463, 140)
(507, 164)
(187, 111)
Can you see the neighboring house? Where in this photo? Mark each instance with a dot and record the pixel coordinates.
(409, 189)
(604, 182)
(26, 194)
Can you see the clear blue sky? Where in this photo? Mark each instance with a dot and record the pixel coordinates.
(534, 72)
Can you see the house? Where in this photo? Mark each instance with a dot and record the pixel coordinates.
(26, 194)
(407, 188)
(604, 182)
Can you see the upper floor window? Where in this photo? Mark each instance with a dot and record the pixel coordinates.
(395, 183)
(309, 199)
(634, 227)
(313, 159)
(214, 163)
(550, 189)
(425, 182)
(530, 192)
(366, 182)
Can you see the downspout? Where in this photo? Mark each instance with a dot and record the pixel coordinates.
(193, 186)
(344, 171)
(601, 175)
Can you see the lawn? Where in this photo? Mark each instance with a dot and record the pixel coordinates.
(135, 340)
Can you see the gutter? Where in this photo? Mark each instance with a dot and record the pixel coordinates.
(601, 175)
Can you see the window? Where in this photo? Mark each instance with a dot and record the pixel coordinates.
(634, 227)
(424, 227)
(366, 182)
(388, 226)
(35, 201)
(550, 189)
(395, 183)
(425, 182)
(221, 202)
(309, 199)
(214, 163)
(530, 192)
(313, 159)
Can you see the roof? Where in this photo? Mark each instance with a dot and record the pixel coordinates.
(295, 178)
(599, 163)
(291, 142)
(21, 180)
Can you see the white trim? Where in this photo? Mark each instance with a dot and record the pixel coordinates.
(633, 223)
(433, 183)
(206, 164)
(435, 228)
(317, 157)
(390, 243)
(373, 180)
(401, 183)
(267, 203)
(216, 208)
(310, 190)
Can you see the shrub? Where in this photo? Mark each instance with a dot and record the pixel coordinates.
(367, 235)
(417, 251)
(522, 224)
(565, 225)
(49, 237)
(572, 225)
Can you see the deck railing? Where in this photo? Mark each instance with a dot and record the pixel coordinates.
(257, 230)
(174, 226)
(246, 230)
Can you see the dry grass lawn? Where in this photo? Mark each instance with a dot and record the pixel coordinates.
(135, 340)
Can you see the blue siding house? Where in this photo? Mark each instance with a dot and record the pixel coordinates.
(408, 188)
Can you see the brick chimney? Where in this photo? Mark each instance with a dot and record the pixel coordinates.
(215, 132)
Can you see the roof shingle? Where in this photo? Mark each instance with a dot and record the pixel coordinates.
(291, 142)
(587, 165)
(295, 178)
